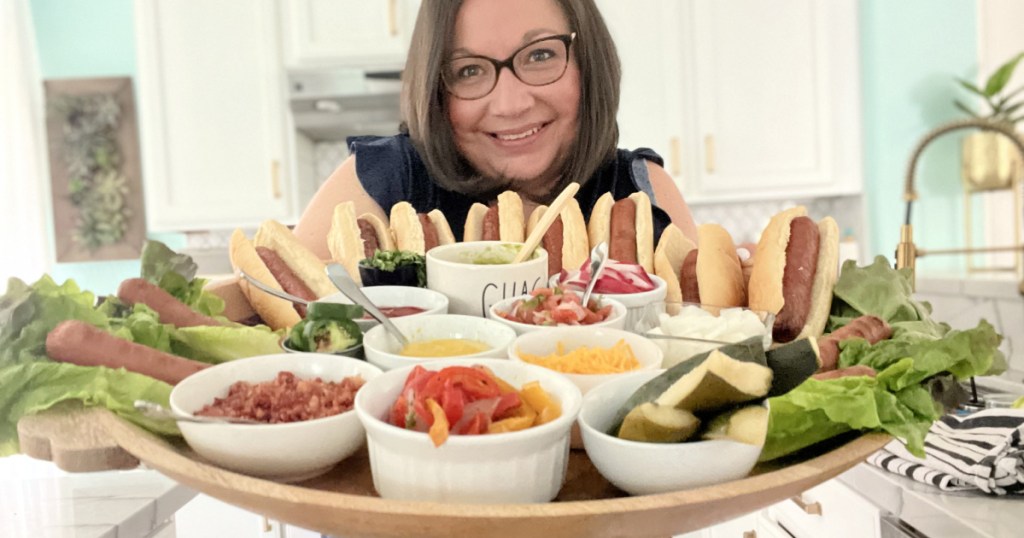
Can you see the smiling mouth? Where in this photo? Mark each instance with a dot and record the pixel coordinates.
(511, 137)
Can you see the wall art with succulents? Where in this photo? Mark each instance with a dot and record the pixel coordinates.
(95, 170)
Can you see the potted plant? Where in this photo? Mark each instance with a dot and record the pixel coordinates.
(990, 160)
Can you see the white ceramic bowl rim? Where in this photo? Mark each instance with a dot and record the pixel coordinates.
(564, 419)
(403, 323)
(554, 332)
(279, 427)
(619, 310)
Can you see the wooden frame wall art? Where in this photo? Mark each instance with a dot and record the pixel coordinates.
(95, 169)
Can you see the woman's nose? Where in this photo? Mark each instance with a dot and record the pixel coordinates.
(510, 96)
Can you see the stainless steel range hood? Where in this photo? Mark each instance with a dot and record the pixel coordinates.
(335, 104)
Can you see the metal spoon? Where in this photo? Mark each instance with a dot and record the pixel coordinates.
(349, 288)
(598, 258)
(155, 410)
(272, 291)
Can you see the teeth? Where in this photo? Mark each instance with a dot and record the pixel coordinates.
(520, 135)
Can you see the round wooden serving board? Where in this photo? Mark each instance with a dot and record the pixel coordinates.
(344, 503)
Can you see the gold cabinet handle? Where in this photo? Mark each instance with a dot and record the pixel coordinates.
(675, 156)
(392, 18)
(275, 178)
(749, 534)
(813, 508)
(709, 153)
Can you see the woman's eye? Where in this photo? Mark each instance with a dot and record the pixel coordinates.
(540, 55)
(468, 71)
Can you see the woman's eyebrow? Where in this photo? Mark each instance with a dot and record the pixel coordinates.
(527, 37)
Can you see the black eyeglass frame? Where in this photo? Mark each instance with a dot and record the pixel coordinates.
(566, 39)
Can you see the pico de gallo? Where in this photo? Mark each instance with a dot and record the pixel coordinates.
(555, 306)
(468, 400)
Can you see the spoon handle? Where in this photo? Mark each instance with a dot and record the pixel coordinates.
(272, 291)
(598, 257)
(157, 411)
(350, 289)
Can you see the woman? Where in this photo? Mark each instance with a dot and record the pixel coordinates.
(500, 95)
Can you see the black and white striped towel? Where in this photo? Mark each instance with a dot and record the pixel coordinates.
(980, 451)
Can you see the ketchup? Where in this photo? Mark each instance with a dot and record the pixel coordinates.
(397, 311)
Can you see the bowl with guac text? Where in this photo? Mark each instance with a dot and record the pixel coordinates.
(477, 274)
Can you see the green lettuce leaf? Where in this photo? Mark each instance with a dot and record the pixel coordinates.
(220, 344)
(175, 273)
(36, 386)
(818, 410)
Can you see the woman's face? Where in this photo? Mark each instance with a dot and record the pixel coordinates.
(517, 131)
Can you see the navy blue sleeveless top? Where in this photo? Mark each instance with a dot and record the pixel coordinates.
(391, 171)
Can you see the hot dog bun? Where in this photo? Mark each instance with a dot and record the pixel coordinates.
(627, 226)
(348, 239)
(300, 259)
(773, 280)
(719, 273)
(673, 246)
(503, 221)
(407, 226)
(571, 238)
(277, 313)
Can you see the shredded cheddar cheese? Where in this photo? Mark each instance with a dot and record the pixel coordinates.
(585, 360)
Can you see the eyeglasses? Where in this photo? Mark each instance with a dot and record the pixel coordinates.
(538, 63)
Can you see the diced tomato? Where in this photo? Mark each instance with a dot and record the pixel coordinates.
(398, 411)
(453, 401)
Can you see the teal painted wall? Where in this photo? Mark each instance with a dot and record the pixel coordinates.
(86, 40)
(910, 52)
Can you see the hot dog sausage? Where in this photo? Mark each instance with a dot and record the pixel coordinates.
(492, 225)
(856, 370)
(289, 281)
(170, 309)
(78, 342)
(430, 239)
(369, 235)
(871, 328)
(797, 279)
(622, 231)
(552, 243)
(688, 278)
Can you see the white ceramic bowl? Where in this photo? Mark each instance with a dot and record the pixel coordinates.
(283, 452)
(472, 288)
(617, 319)
(526, 466)
(638, 305)
(542, 343)
(382, 350)
(648, 468)
(430, 301)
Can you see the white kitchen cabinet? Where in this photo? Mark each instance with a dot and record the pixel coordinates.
(212, 114)
(829, 509)
(746, 100)
(351, 33)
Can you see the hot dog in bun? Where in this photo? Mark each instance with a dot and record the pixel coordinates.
(795, 268)
(419, 232)
(627, 226)
(352, 238)
(502, 221)
(277, 259)
(566, 239)
(710, 274)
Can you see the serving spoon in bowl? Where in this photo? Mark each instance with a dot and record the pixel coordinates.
(598, 259)
(155, 410)
(272, 291)
(349, 288)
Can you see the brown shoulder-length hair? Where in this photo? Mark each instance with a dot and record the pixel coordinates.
(424, 99)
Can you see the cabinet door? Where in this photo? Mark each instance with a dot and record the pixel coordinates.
(829, 509)
(348, 32)
(777, 99)
(651, 106)
(212, 113)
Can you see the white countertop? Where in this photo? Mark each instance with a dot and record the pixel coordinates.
(935, 513)
(38, 500)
